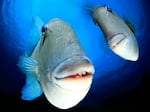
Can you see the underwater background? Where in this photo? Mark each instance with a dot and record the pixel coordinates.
(118, 84)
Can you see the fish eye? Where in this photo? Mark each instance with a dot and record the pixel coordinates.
(108, 8)
(44, 29)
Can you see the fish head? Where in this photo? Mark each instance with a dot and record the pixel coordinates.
(74, 73)
(101, 12)
(124, 46)
(69, 82)
(67, 71)
(104, 8)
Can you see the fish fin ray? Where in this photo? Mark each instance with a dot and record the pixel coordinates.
(35, 33)
(32, 89)
(132, 24)
(28, 65)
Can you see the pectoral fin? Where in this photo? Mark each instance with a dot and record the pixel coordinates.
(31, 89)
(29, 67)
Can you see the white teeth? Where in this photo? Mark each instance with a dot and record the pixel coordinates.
(84, 73)
(77, 75)
(80, 74)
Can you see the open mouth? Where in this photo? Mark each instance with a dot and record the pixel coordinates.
(79, 75)
(116, 39)
(75, 73)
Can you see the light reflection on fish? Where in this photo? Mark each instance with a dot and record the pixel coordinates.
(58, 66)
(118, 34)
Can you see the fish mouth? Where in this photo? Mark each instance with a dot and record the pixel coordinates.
(116, 39)
(75, 73)
(124, 46)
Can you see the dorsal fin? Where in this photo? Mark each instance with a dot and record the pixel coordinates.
(35, 34)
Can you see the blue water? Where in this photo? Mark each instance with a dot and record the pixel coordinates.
(113, 76)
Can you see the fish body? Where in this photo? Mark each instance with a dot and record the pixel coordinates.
(60, 66)
(118, 34)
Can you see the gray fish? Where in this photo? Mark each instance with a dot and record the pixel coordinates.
(58, 66)
(118, 34)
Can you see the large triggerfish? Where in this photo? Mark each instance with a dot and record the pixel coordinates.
(58, 66)
(118, 34)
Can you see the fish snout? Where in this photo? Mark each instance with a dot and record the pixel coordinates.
(75, 73)
(124, 46)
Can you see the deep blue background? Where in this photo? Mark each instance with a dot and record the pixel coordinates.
(117, 85)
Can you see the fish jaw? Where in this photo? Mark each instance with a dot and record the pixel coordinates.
(124, 46)
(63, 89)
(74, 74)
(63, 98)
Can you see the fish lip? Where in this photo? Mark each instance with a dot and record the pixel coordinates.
(57, 95)
(76, 64)
(116, 39)
(87, 66)
(125, 46)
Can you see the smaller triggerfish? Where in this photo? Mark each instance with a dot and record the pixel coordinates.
(118, 34)
(57, 66)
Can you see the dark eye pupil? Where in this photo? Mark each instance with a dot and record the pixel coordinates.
(44, 29)
(108, 8)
